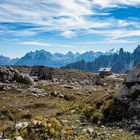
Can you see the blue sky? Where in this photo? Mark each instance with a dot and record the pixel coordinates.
(68, 25)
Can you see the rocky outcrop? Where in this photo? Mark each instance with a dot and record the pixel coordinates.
(9, 74)
(42, 72)
(130, 93)
(126, 105)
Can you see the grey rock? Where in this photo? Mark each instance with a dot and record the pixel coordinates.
(9, 74)
(21, 78)
(8, 87)
(133, 76)
(69, 97)
(37, 92)
(129, 98)
(18, 138)
(42, 72)
(54, 93)
(61, 96)
(21, 125)
(88, 130)
(1, 135)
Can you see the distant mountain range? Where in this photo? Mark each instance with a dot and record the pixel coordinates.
(42, 57)
(7, 61)
(120, 62)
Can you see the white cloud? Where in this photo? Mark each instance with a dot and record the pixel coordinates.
(68, 17)
(110, 41)
(44, 44)
(124, 33)
(115, 3)
(68, 34)
(34, 43)
(115, 33)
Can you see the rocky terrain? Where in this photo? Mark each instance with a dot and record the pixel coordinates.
(40, 103)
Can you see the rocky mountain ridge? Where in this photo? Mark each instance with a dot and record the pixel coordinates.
(120, 62)
(7, 61)
(45, 58)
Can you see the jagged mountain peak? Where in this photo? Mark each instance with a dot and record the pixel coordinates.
(120, 62)
(69, 53)
(138, 48)
(43, 57)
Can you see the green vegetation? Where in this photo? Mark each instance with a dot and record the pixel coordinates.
(43, 128)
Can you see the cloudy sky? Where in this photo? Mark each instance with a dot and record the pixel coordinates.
(68, 25)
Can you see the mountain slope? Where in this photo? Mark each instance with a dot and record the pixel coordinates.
(45, 58)
(7, 61)
(120, 62)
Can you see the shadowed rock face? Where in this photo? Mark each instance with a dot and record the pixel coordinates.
(133, 77)
(42, 72)
(9, 74)
(130, 96)
(131, 90)
(125, 107)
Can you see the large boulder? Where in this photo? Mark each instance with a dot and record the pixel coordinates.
(42, 72)
(25, 79)
(125, 108)
(133, 76)
(9, 74)
(130, 92)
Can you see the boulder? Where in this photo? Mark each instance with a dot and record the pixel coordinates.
(42, 72)
(37, 92)
(9, 74)
(7, 87)
(130, 93)
(21, 78)
(133, 76)
(126, 105)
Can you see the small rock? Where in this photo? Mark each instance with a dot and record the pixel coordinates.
(69, 97)
(102, 126)
(72, 111)
(21, 125)
(104, 84)
(1, 135)
(61, 96)
(54, 93)
(19, 138)
(37, 92)
(88, 130)
(64, 121)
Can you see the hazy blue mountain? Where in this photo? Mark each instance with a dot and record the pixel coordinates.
(42, 57)
(58, 55)
(120, 62)
(13, 61)
(45, 58)
(89, 56)
(7, 61)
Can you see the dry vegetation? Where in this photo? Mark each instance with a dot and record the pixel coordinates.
(82, 117)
